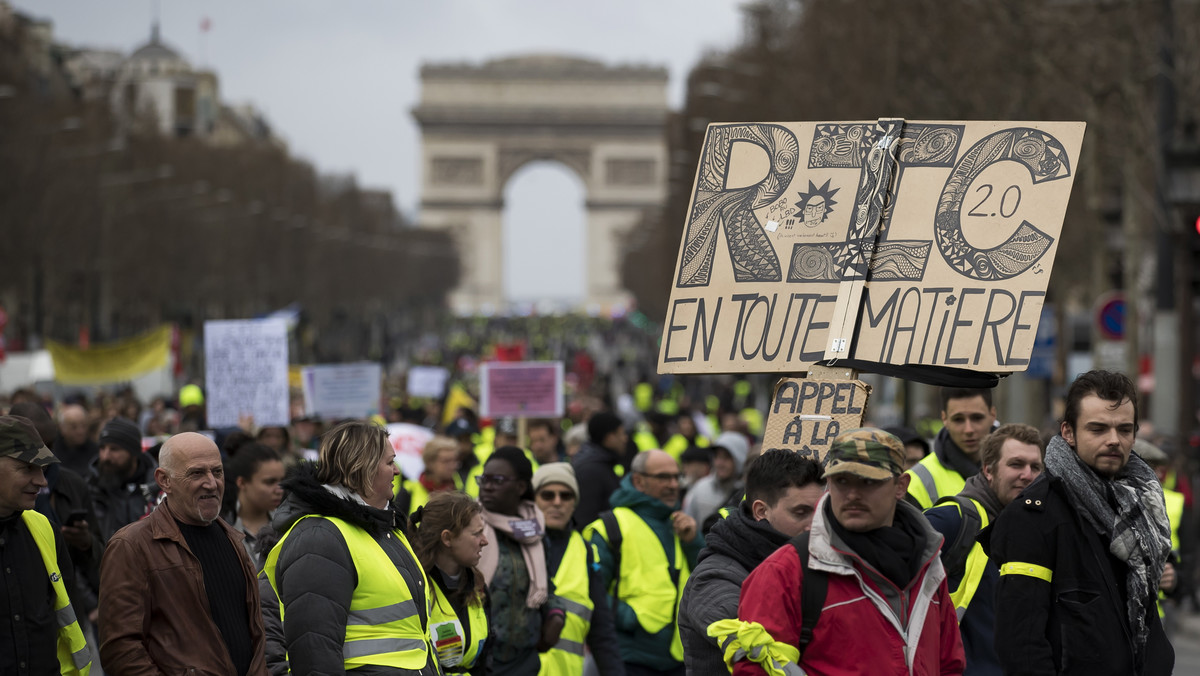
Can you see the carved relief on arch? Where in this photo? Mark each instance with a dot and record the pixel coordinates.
(512, 159)
(634, 171)
(457, 170)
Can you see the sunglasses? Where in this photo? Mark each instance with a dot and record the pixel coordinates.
(549, 495)
(493, 479)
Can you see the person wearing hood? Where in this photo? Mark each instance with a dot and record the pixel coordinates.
(967, 417)
(646, 573)
(724, 482)
(352, 594)
(123, 486)
(571, 565)
(886, 609)
(1012, 458)
(782, 490)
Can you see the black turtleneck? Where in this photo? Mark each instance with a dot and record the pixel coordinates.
(225, 585)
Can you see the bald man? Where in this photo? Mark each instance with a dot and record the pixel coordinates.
(638, 547)
(183, 571)
(74, 445)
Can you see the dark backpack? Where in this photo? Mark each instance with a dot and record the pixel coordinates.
(813, 588)
(955, 553)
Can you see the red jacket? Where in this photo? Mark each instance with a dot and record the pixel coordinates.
(858, 632)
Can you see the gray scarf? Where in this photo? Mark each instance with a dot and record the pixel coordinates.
(1137, 530)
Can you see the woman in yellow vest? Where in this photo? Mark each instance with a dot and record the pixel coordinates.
(571, 564)
(440, 456)
(352, 594)
(447, 534)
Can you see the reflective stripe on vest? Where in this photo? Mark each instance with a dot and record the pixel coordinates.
(976, 564)
(384, 625)
(1028, 570)
(645, 577)
(477, 626)
(571, 587)
(73, 654)
(933, 481)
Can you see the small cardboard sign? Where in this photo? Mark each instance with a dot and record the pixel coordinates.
(807, 414)
(883, 242)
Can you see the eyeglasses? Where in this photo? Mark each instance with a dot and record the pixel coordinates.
(663, 476)
(549, 495)
(494, 479)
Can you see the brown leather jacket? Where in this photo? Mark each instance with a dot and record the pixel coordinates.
(154, 616)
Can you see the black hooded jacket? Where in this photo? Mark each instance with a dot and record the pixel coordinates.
(735, 546)
(316, 574)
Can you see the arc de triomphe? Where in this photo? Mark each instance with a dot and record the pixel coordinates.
(480, 124)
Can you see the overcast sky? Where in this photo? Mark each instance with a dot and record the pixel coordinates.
(337, 81)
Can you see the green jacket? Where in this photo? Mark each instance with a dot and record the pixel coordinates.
(637, 645)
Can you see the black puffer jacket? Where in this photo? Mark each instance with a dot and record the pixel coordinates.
(735, 546)
(316, 575)
(1076, 623)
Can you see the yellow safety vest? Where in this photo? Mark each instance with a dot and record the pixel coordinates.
(384, 625)
(645, 440)
(974, 568)
(644, 581)
(447, 635)
(73, 654)
(678, 443)
(931, 481)
(418, 495)
(571, 587)
(1174, 501)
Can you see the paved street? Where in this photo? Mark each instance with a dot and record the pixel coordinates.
(1186, 640)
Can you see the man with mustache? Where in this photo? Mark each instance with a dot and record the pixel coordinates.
(1012, 458)
(1081, 551)
(646, 573)
(885, 608)
(178, 592)
(123, 487)
(967, 417)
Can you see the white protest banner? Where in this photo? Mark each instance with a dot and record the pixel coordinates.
(427, 381)
(334, 391)
(246, 371)
(881, 242)
(409, 440)
(529, 389)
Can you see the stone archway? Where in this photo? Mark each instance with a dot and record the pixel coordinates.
(480, 124)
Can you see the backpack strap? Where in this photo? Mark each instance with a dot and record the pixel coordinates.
(954, 554)
(814, 584)
(612, 528)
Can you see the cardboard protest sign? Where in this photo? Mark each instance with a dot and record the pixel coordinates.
(246, 371)
(337, 391)
(427, 381)
(531, 389)
(807, 414)
(885, 242)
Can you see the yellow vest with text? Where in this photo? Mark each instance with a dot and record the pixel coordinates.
(644, 581)
(73, 654)
(476, 622)
(571, 587)
(383, 627)
(931, 481)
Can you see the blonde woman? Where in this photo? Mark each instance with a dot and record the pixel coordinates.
(352, 594)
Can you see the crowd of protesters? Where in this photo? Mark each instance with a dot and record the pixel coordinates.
(645, 533)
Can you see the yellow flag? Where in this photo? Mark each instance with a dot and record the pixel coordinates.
(454, 399)
(111, 362)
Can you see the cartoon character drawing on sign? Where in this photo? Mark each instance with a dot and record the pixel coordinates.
(815, 205)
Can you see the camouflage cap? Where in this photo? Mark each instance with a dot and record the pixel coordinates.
(20, 439)
(866, 452)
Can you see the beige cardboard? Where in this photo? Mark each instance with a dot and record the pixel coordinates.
(807, 414)
(890, 241)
